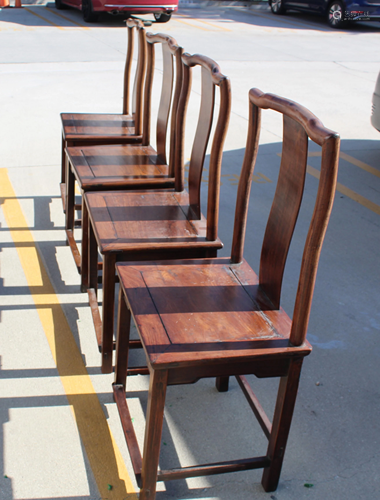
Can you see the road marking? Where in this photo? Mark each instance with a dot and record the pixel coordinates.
(348, 192)
(43, 18)
(360, 164)
(67, 18)
(191, 24)
(343, 189)
(222, 28)
(101, 449)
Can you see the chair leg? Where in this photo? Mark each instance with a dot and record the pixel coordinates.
(70, 199)
(109, 261)
(222, 384)
(122, 341)
(63, 176)
(63, 162)
(153, 432)
(282, 419)
(84, 249)
(90, 258)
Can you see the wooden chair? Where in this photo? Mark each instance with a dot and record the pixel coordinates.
(146, 225)
(80, 129)
(129, 166)
(217, 318)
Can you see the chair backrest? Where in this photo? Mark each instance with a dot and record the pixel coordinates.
(299, 125)
(171, 78)
(211, 78)
(138, 83)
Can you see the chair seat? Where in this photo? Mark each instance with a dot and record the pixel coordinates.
(88, 127)
(117, 167)
(204, 310)
(132, 221)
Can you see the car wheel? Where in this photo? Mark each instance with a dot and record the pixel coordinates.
(59, 5)
(162, 17)
(277, 7)
(335, 14)
(89, 16)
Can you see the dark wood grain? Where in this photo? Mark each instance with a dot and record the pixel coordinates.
(212, 469)
(185, 301)
(282, 419)
(127, 72)
(160, 223)
(153, 431)
(122, 340)
(245, 182)
(255, 405)
(215, 317)
(285, 207)
(99, 168)
(129, 433)
(79, 129)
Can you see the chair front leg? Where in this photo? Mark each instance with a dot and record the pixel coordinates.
(109, 261)
(84, 249)
(282, 419)
(63, 161)
(153, 431)
(222, 384)
(90, 258)
(70, 198)
(122, 341)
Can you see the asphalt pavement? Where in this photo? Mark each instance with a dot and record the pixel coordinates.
(60, 435)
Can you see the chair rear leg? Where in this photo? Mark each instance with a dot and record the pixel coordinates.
(84, 250)
(282, 419)
(153, 432)
(109, 261)
(90, 259)
(222, 383)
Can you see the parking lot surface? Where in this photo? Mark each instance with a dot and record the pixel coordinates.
(60, 435)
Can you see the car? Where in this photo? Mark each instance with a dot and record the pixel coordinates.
(161, 9)
(338, 12)
(375, 117)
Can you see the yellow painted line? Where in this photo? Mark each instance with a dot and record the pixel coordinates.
(43, 18)
(354, 161)
(192, 25)
(102, 452)
(360, 164)
(222, 28)
(67, 18)
(348, 192)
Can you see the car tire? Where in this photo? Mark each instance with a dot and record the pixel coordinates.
(162, 17)
(277, 7)
(59, 5)
(89, 16)
(335, 14)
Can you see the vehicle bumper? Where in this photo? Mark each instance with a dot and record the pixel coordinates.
(135, 7)
(364, 12)
(350, 16)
